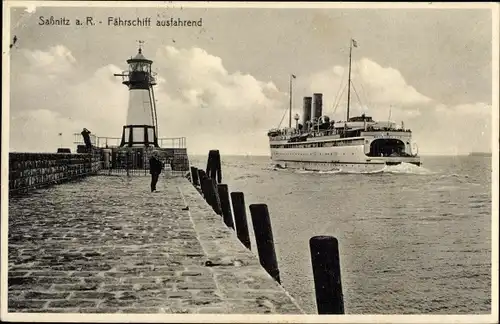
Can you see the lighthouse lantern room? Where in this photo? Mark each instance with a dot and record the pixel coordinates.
(141, 126)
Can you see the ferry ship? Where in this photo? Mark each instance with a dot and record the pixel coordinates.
(357, 144)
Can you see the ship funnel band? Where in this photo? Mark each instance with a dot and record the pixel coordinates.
(317, 108)
(306, 110)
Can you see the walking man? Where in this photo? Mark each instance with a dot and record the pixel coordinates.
(155, 167)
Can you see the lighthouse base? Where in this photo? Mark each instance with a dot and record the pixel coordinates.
(136, 159)
(139, 136)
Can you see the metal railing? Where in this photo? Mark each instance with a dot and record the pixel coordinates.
(124, 170)
(139, 173)
(105, 142)
(172, 142)
(135, 162)
(78, 139)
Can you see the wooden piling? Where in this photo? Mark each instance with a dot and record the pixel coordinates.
(214, 166)
(210, 162)
(326, 269)
(225, 205)
(240, 218)
(202, 184)
(211, 195)
(201, 177)
(201, 174)
(216, 199)
(264, 239)
(194, 176)
(205, 187)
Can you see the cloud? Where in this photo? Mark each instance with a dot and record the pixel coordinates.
(383, 93)
(373, 87)
(456, 129)
(38, 131)
(387, 84)
(52, 94)
(197, 97)
(56, 60)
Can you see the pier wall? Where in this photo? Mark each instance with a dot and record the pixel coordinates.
(34, 170)
(178, 158)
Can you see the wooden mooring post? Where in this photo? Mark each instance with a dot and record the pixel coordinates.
(326, 270)
(194, 176)
(324, 249)
(211, 195)
(214, 166)
(205, 185)
(216, 199)
(264, 239)
(240, 218)
(227, 215)
(201, 177)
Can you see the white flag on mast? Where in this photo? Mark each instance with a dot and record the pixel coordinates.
(354, 43)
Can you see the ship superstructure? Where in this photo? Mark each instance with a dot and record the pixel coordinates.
(358, 143)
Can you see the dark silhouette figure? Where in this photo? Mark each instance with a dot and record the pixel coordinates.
(155, 167)
(86, 138)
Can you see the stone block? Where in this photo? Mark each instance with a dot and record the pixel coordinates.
(25, 304)
(71, 303)
(34, 295)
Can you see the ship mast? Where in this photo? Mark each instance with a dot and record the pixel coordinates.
(352, 43)
(292, 76)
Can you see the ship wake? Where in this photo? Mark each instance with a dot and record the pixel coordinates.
(406, 168)
(403, 168)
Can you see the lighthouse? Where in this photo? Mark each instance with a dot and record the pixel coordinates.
(141, 129)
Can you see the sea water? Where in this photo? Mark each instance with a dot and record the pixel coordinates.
(412, 240)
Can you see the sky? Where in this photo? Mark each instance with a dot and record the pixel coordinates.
(225, 84)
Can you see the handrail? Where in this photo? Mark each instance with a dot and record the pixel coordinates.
(99, 141)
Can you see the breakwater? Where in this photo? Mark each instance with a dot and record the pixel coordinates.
(79, 266)
(29, 171)
(131, 251)
(325, 255)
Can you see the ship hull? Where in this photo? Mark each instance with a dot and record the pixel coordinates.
(343, 158)
(337, 166)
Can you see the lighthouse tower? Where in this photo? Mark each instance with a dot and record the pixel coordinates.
(141, 125)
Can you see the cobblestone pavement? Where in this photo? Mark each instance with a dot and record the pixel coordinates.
(105, 244)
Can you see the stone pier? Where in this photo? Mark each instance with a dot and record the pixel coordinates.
(105, 244)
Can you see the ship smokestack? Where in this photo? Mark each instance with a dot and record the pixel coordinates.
(307, 109)
(317, 105)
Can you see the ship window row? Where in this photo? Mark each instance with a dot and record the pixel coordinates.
(335, 153)
(320, 144)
